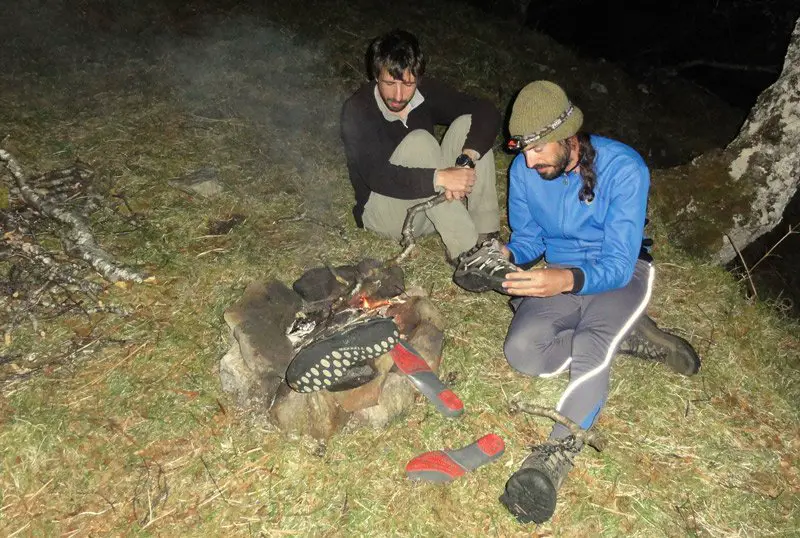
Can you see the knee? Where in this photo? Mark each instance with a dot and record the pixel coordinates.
(521, 355)
(419, 137)
(419, 149)
(462, 123)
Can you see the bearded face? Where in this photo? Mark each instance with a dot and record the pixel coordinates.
(396, 93)
(549, 160)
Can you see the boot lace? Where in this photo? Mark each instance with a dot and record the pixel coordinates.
(639, 346)
(487, 258)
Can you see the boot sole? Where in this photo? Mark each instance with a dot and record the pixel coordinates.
(530, 496)
(339, 362)
(479, 282)
(683, 359)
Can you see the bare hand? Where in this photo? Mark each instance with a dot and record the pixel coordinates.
(456, 180)
(539, 282)
(454, 195)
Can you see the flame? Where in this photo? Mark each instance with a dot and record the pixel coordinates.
(369, 304)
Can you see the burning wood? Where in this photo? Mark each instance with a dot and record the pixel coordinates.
(366, 303)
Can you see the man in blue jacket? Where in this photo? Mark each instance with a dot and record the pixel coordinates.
(579, 201)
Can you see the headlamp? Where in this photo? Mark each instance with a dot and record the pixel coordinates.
(520, 142)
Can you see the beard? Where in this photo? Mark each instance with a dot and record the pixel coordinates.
(558, 166)
(395, 106)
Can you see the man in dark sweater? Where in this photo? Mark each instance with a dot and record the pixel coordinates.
(395, 161)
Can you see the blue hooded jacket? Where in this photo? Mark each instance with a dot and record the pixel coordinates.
(602, 238)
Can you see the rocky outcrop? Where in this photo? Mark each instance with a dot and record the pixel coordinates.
(732, 197)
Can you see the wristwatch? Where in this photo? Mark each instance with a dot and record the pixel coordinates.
(465, 160)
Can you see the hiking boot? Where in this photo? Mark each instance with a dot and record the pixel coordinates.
(531, 492)
(483, 268)
(487, 236)
(647, 341)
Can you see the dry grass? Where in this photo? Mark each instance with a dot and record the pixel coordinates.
(136, 437)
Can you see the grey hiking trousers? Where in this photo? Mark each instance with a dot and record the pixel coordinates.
(578, 334)
(457, 223)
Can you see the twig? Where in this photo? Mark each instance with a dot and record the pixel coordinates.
(746, 269)
(304, 217)
(213, 479)
(792, 230)
(585, 436)
(207, 252)
(407, 241)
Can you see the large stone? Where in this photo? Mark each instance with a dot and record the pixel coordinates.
(258, 322)
(317, 414)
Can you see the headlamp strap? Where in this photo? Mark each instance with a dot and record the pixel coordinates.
(518, 143)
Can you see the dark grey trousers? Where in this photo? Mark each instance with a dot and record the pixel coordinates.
(579, 333)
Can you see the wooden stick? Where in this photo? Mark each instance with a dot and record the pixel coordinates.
(744, 263)
(585, 436)
(407, 241)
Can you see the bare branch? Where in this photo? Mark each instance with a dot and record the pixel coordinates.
(585, 436)
(78, 239)
(792, 230)
(407, 241)
(744, 263)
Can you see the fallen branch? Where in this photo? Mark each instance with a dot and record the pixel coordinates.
(773, 70)
(56, 271)
(78, 239)
(792, 230)
(585, 436)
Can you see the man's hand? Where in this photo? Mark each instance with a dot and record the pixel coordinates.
(456, 181)
(539, 282)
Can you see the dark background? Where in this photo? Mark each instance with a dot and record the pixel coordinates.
(733, 48)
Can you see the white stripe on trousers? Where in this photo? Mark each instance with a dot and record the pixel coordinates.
(612, 348)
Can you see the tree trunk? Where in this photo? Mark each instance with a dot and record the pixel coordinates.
(736, 195)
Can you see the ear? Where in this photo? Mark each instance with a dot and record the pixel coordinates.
(574, 145)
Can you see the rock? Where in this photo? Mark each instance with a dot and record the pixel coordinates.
(204, 182)
(317, 414)
(396, 397)
(258, 323)
(366, 395)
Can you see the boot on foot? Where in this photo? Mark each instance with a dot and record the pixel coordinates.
(532, 491)
(647, 341)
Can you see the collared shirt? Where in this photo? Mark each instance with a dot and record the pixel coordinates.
(388, 115)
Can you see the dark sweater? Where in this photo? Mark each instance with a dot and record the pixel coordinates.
(370, 140)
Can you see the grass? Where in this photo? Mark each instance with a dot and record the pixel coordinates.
(136, 438)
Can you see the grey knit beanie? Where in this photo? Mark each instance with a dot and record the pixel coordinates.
(542, 113)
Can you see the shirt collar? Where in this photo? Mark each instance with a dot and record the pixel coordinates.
(417, 100)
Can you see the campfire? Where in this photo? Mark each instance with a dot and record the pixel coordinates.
(277, 331)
